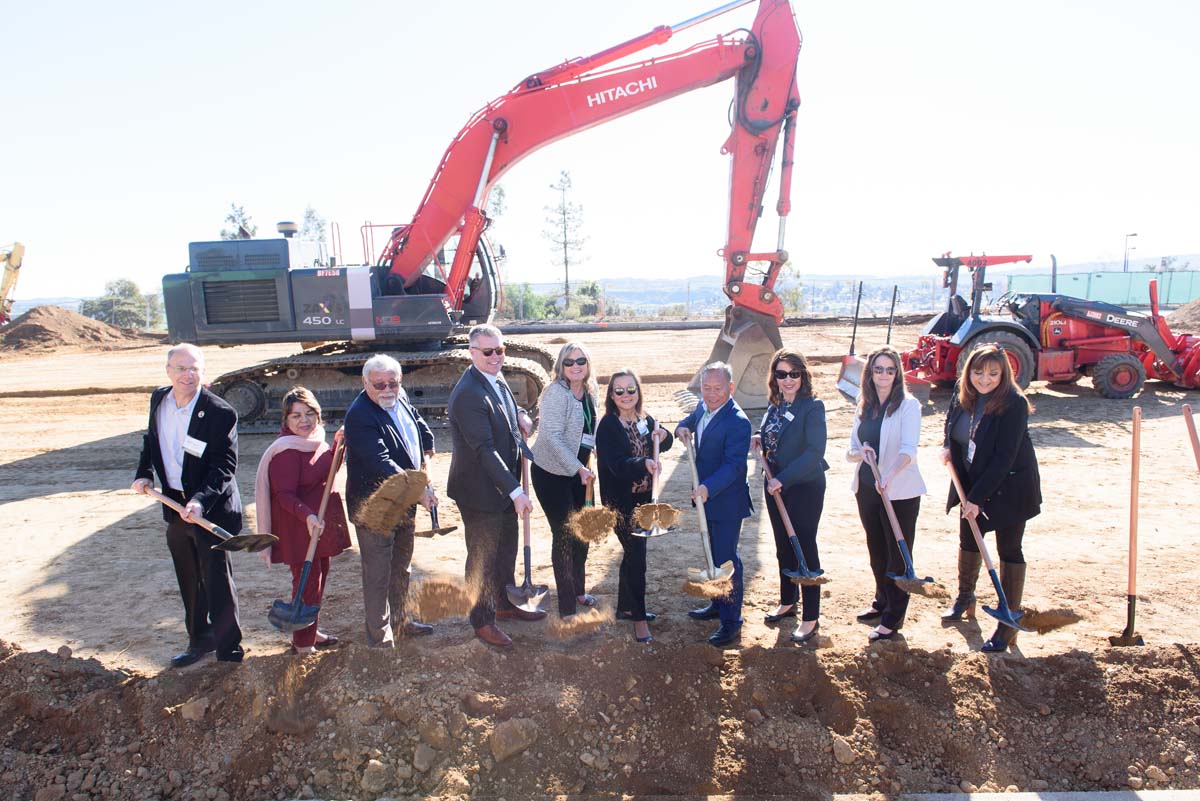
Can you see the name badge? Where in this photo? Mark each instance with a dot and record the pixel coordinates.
(588, 441)
(970, 451)
(789, 416)
(642, 428)
(194, 446)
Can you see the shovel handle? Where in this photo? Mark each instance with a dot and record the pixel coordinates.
(219, 532)
(654, 477)
(525, 517)
(335, 464)
(708, 557)
(962, 499)
(887, 502)
(1191, 427)
(779, 504)
(1135, 464)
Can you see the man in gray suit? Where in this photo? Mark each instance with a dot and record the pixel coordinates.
(488, 430)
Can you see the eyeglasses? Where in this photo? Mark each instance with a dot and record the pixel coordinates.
(182, 370)
(382, 385)
(619, 391)
(582, 360)
(878, 370)
(489, 351)
(782, 374)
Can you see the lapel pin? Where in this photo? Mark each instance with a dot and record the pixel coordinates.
(200, 413)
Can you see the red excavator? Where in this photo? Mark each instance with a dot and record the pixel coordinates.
(436, 275)
(1052, 337)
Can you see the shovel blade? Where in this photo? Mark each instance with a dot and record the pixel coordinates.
(252, 543)
(647, 533)
(527, 597)
(434, 532)
(1006, 617)
(698, 575)
(282, 618)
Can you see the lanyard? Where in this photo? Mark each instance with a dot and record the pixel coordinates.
(588, 414)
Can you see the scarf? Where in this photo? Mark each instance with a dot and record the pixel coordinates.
(315, 443)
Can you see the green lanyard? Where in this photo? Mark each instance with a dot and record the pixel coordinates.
(588, 414)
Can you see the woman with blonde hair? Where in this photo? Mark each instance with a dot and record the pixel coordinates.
(566, 438)
(987, 441)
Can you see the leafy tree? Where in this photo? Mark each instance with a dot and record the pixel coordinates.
(497, 201)
(313, 228)
(792, 295)
(564, 231)
(124, 306)
(522, 303)
(241, 226)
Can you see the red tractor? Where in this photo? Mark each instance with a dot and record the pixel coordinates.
(1052, 337)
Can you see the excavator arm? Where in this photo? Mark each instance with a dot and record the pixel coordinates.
(583, 92)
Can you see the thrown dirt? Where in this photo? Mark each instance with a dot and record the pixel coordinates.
(49, 328)
(592, 524)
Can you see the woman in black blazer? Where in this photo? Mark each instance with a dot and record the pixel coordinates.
(792, 438)
(987, 440)
(624, 449)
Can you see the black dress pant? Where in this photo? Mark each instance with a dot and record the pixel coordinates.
(804, 503)
(205, 577)
(885, 552)
(558, 497)
(1008, 541)
(491, 539)
(631, 584)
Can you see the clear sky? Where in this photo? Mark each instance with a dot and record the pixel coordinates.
(1041, 127)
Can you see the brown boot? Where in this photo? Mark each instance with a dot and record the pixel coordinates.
(1012, 580)
(968, 575)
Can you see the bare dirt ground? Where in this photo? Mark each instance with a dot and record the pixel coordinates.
(590, 714)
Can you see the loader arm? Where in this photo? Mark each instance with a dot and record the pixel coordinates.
(583, 92)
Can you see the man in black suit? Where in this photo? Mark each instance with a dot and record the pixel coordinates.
(385, 435)
(191, 443)
(488, 430)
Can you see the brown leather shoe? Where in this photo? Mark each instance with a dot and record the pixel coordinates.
(414, 628)
(519, 614)
(493, 636)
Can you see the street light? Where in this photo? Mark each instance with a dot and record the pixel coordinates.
(1125, 269)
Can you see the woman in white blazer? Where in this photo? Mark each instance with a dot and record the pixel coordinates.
(888, 423)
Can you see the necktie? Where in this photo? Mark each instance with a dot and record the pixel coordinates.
(700, 429)
(510, 405)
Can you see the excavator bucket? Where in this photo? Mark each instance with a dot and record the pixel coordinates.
(849, 380)
(746, 343)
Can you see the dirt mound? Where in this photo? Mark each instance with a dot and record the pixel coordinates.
(1186, 319)
(604, 717)
(47, 328)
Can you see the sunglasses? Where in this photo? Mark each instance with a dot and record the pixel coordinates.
(489, 351)
(382, 385)
(619, 391)
(782, 374)
(883, 370)
(582, 360)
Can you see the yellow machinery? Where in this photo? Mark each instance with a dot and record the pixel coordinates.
(10, 260)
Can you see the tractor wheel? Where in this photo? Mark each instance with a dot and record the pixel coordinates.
(1119, 375)
(1020, 355)
(247, 399)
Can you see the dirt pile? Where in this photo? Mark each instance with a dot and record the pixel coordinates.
(48, 328)
(1186, 319)
(600, 715)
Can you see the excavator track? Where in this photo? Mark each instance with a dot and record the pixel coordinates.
(334, 373)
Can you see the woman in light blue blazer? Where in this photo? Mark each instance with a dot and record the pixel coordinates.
(888, 424)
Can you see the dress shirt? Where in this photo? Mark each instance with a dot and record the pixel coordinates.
(708, 415)
(408, 432)
(173, 424)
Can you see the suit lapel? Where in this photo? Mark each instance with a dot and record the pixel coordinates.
(715, 422)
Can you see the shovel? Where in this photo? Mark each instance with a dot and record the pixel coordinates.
(907, 580)
(849, 380)
(802, 575)
(295, 615)
(661, 513)
(1191, 427)
(1129, 636)
(1002, 613)
(710, 572)
(229, 542)
(529, 595)
(592, 524)
(433, 518)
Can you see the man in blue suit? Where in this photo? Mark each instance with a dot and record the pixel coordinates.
(385, 435)
(722, 440)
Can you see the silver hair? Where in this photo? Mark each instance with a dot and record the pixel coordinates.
(717, 367)
(589, 380)
(381, 363)
(186, 347)
(485, 330)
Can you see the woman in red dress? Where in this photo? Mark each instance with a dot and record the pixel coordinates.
(292, 475)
